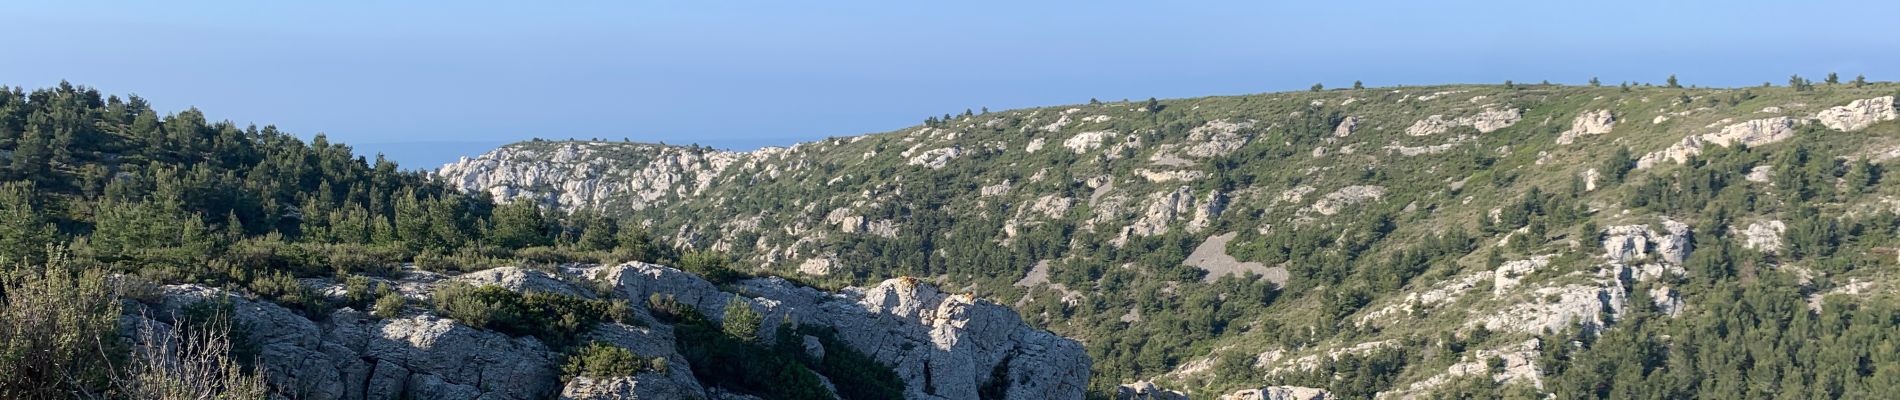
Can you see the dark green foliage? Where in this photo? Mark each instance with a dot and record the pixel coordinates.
(520, 224)
(60, 325)
(715, 267)
(1618, 166)
(555, 319)
(857, 375)
(24, 231)
(1353, 376)
(389, 305)
(739, 365)
(603, 360)
(741, 322)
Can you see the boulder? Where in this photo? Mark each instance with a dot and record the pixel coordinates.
(523, 280)
(1333, 203)
(637, 387)
(1764, 236)
(1589, 123)
(1145, 390)
(1279, 393)
(1857, 115)
(1753, 133)
(1485, 121)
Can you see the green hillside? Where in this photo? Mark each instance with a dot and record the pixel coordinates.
(1431, 188)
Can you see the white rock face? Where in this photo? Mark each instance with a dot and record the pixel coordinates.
(642, 386)
(1085, 141)
(1573, 305)
(350, 356)
(937, 158)
(1589, 123)
(1279, 393)
(1760, 174)
(1763, 236)
(1485, 121)
(1857, 115)
(522, 280)
(1626, 243)
(1166, 207)
(817, 266)
(1667, 300)
(1679, 153)
(911, 327)
(1346, 127)
(576, 175)
(1034, 145)
(1145, 390)
(917, 330)
(1753, 132)
(1333, 202)
(1506, 276)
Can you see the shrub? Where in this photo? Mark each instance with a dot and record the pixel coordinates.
(715, 267)
(284, 290)
(202, 361)
(389, 306)
(60, 325)
(741, 321)
(553, 318)
(602, 360)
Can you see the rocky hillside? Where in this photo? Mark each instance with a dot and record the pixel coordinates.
(1389, 242)
(943, 346)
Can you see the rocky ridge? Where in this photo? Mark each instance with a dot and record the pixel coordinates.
(956, 340)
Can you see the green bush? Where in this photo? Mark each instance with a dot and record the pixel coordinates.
(857, 375)
(60, 325)
(602, 360)
(741, 321)
(283, 289)
(555, 319)
(389, 306)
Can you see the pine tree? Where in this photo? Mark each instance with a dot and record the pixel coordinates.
(741, 321)
(1318, 87)
(24, 231)
(1671, 83)
(519, 224)
(1357, 85)
(598, 234)
(1833, 78)
(1595, 83)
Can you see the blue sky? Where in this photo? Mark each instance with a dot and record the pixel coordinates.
(428, 80)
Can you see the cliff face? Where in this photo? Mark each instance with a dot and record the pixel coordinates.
(908, 326)
(1122, 225)
(577, 175)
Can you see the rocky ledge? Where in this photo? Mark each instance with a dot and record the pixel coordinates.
(944, 346)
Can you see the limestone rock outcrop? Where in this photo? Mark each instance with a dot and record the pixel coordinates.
(1857, 115)
(1279, 393)
(1333, 202)
(1589, 123)
(953, 342)
(1146, 390)
(576, 175)
(1485, 121)
(1753, 132)
(1628, 243)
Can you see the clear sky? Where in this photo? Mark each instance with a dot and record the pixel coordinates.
(428, 80)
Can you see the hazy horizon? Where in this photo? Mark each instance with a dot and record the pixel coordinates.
(754, 74)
